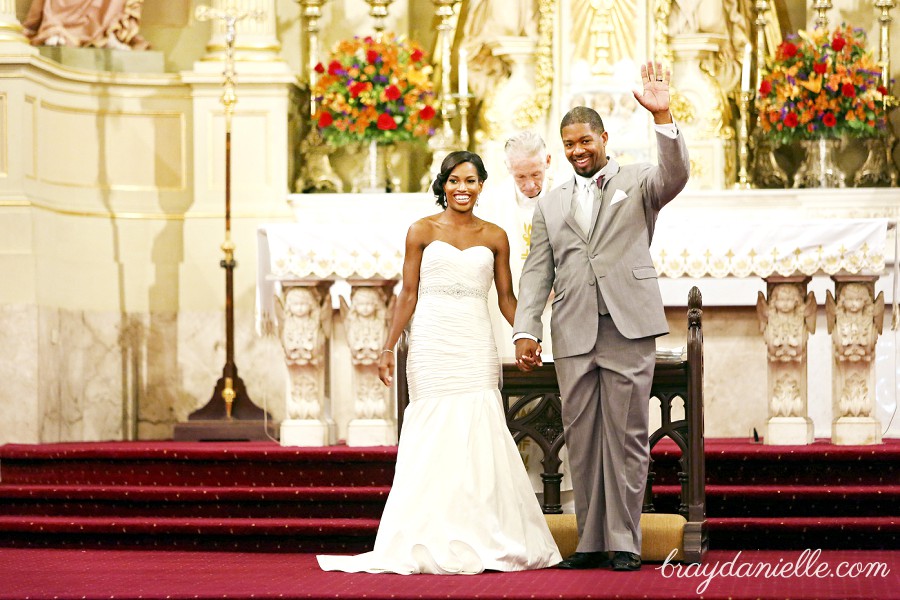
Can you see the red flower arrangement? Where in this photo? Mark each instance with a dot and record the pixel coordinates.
(374, 89)
(822, 84)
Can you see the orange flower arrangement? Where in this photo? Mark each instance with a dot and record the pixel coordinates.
(374, 89)
(822, 84)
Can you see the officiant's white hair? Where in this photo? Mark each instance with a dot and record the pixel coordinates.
(524, 144)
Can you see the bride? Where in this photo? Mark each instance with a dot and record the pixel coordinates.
(461, 501)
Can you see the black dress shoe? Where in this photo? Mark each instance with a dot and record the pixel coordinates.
(626, 561)
(585, 560)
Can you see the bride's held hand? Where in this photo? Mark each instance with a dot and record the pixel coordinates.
(386, 367)
(528, 354)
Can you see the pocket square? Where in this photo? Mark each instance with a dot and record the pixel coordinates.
(618, 196)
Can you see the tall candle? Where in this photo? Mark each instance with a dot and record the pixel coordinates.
(463, 74)
(745, 68)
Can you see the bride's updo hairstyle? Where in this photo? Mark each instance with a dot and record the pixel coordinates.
(453, 160)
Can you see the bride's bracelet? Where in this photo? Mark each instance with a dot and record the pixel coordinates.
(387, 350)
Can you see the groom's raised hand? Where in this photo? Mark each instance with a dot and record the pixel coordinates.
(655, 93)
(528, 354)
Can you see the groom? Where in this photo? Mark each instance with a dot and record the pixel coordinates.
(590, 243)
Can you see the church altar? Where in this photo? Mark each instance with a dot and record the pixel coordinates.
(737, 246)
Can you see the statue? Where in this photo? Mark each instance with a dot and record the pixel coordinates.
(304, 321)
(854, 321)
(301, 321)
(366, 323)
(722, 17)
(111, 24)
(485, 23)
(786, 321)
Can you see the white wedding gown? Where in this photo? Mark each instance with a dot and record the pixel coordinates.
(461, 501)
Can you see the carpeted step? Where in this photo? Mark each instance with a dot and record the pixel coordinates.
(732, 462)
(261, 496)
(178, 501)
(788, 500)
(248, 464)
(274, 534)
(799, 533)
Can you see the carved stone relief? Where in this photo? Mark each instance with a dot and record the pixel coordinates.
(855, 319)
(366, 320)
(304, 323)
(786, 319)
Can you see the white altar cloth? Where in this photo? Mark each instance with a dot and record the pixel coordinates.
(361, 236)
(720, 248)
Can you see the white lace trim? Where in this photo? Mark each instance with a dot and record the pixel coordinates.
(457, 290)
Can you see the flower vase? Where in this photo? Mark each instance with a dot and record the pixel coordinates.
(373, 176)
(819, 167)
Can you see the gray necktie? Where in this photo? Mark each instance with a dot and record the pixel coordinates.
(588, 195)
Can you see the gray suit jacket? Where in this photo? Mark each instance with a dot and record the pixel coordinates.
(614, 258)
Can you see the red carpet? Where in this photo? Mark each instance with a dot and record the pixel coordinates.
(259, 496)
(106, 574)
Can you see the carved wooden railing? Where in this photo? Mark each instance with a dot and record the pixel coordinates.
(535, 412)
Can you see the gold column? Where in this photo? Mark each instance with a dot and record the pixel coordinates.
(765, 172)
(10, 28)
(884, 45)
(762, 8)
(316, 173)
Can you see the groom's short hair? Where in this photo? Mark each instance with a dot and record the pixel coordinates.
(583, 114)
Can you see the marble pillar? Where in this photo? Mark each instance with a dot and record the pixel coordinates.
(366, 319)
(304, 326)
(855, 317)
(786, 319)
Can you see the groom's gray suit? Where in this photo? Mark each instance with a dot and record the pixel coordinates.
(607, 312)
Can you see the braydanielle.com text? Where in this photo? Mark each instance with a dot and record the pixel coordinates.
(806, 565)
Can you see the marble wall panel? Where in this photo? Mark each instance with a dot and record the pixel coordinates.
(19, 375)
(47, 360)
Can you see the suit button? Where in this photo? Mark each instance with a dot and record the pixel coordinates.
(592, 282)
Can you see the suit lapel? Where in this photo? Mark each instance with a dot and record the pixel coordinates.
(567, 198)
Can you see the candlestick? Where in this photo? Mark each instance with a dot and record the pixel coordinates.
(463, 103)
(745, 68)
(822, 7)
(743, 178)
(463, 74)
